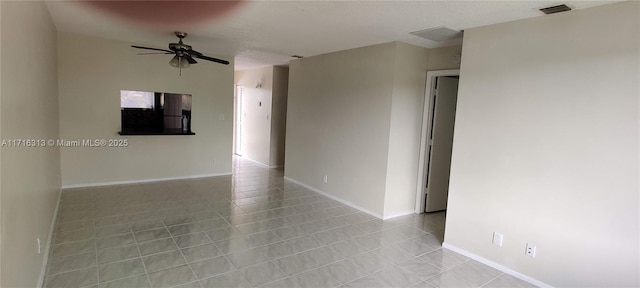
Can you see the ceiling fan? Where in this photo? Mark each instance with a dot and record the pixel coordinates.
(183, 53)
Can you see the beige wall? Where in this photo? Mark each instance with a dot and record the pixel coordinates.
(356, 116)
(338, 123)
(30, 176)
(1, 230)
(92, 72)
(279, 115)
(405, 129)
(256, 107)
(444, 58)
(546, 146)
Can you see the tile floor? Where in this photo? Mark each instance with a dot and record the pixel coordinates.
(252, 229)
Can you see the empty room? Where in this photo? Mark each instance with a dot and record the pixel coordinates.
(319, 144)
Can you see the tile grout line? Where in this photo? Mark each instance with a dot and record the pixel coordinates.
(182, 254)
(300, 252)
(122, 260)
(146, 272)
(223, 255)
(95, 243)
(494, 278)
(413, 274)
(239, 251)
(227, 258)
(444, 270)
(368, 274)
(297, 253)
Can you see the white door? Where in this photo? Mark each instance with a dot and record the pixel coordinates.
(440, 142)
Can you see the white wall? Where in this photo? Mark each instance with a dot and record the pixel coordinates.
(546, 146)
(256, 108)
(1, 230)
(405, 128)
(30, 176)
(279, 115)
(356, 117)
(338, 123)
(92, 71)
(444, 58)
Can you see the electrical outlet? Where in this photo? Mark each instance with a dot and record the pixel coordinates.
(39, 246)
(325, 179)
(530, 250)
(497, 239)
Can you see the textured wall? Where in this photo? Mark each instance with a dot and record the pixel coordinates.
(30, 176)
(546, 146)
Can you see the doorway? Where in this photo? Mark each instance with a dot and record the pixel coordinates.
(238, 115)
(437, 140)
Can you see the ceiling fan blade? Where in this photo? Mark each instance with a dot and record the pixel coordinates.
(155, 49)
(225, 62)
(155, 53)
(194, 52)
(190, 59)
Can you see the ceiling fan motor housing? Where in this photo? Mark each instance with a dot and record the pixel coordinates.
(179, 46)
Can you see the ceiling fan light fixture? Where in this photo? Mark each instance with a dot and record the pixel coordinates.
(179, 62)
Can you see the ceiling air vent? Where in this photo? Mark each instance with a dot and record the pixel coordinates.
(555, 9)
(439, 34)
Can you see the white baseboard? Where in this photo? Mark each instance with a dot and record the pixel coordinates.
(496, 266)
(256, 162)
(260, 163)
(334, 198)
(45, 259)
(405, 213)
(98, 184)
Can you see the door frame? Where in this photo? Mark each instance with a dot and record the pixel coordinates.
(426, 130)
(237, 120)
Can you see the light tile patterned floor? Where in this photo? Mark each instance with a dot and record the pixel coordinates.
(252, 229)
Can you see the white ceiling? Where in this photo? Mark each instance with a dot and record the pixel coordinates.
(268, 32)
